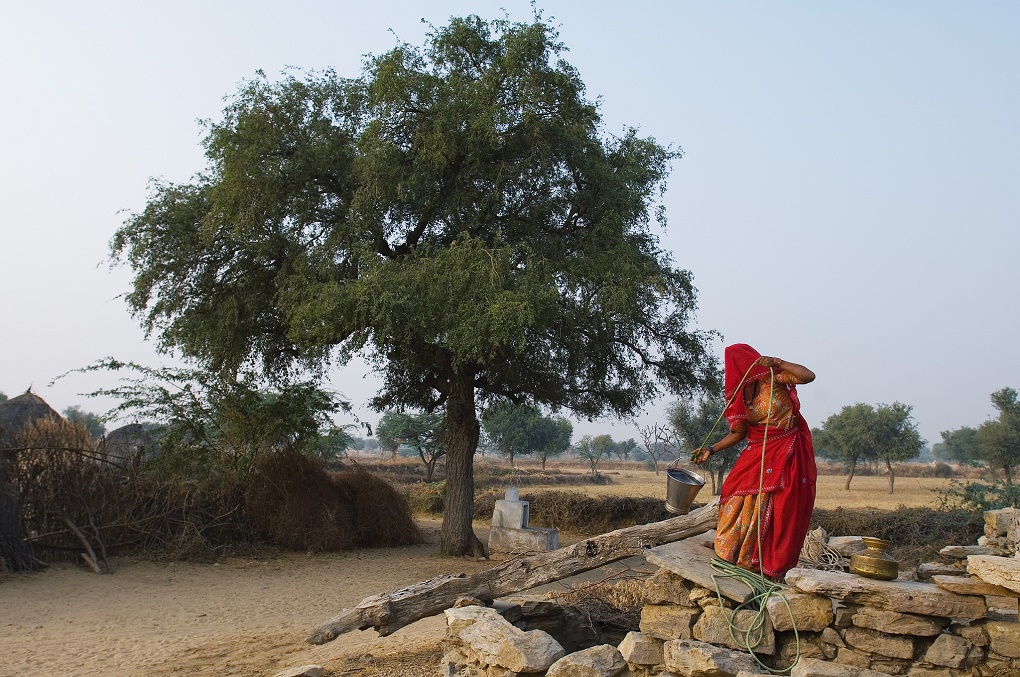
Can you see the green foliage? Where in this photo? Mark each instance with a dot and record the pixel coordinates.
(92, 422)
(594, 449)
(523, 429)
(211, 425)
(692, 424)
(999, 440)
(424, 432)
(979, 496)
(861, 432)
(455, 213)
(960, 446)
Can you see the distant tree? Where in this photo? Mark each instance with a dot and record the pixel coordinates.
(692, 422)
(849, 436)
(425, 434)
(3, 397)
(999, 439)
(660, 441)
(92, 422)
(551, 437)
(390, 431)
(958, 446)
(897, 438)
(456, 213)
(622, 450)
(594, 449)
(511, 428)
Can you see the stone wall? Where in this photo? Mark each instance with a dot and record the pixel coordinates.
(960, 620)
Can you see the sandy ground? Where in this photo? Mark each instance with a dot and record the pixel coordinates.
(237, 617)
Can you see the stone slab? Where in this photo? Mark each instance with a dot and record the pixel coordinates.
(693, 562)
(972, 585)
(904, 596)
(1001, 571)
(532, 539)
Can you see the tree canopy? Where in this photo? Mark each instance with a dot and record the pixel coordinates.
(456, 214)
(860, 431)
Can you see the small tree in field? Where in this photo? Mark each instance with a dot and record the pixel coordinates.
(594, 449)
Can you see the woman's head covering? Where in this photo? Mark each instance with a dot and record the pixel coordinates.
(740, 370)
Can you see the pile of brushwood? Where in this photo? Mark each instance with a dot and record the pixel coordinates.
(78, 501)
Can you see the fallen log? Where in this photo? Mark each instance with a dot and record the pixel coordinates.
(389, 612)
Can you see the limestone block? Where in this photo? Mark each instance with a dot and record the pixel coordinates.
(890, 666)
(810, 645)
(666, 587)
(971, 585)
(666, 621)
(714, 627)
(690, 658)
(873, 641)
(830, 636)
(965, 551)
(510, 514)
(975, 633)
(924, 671)
(459, 618)
(496, 642)
(904, 596)
(1001, 608)
(532, 539)
(641, 649)
(1004, 638)
(812, 667)
(929, 569)
(997, 522)
(603, 660)
(847, 656)
(1002, 571)
(508, 610)
(949, 651)
(845, 615)
(302, 671)
(808, 613)
(1002, 542)
(846, 545)
(896, 623)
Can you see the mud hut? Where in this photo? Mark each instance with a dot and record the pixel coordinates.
(15, 414)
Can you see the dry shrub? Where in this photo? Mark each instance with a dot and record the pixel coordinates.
(429, 499)
(297, 503)
(577, 513)
(63, 476)
(382, 517)
(917, 534)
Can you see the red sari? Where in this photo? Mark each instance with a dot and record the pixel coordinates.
(783, 495)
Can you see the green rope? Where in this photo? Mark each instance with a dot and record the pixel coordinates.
(761, 589)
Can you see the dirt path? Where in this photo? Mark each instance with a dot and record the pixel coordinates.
(238, 617)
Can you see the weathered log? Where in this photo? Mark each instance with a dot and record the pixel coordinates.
(388, 613)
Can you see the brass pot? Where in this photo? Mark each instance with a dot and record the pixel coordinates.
(875, 562)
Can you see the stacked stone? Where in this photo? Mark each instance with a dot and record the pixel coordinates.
(960, 622)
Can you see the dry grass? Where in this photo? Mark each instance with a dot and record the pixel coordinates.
(871, 491)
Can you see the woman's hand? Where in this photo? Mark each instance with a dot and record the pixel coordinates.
(769, 362)
(699, 456)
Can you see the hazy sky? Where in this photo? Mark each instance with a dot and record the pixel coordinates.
(848, 196)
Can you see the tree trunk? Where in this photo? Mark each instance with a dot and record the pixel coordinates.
(456, 536)
(390, 612)
(850, 476)
(892, 477)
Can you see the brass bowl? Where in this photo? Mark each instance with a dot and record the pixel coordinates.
(875, 562)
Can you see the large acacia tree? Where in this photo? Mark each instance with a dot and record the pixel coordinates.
(456, 214)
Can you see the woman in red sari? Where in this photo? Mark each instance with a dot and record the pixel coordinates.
(766, 412)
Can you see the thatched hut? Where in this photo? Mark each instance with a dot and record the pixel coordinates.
(21, 411)
(15, 414)
(131, 445)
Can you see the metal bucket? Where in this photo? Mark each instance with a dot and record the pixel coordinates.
(681, 488)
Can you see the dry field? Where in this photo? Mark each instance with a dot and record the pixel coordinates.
(866, 491)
